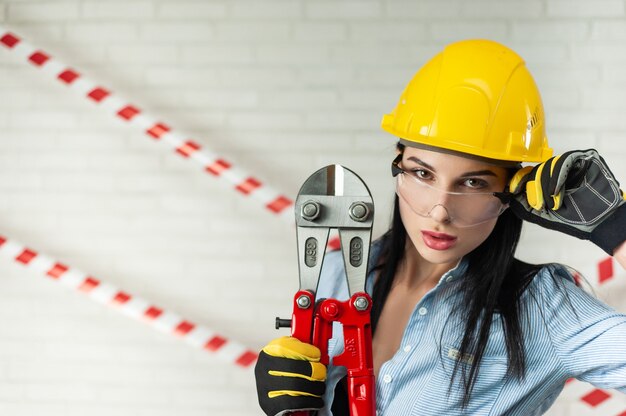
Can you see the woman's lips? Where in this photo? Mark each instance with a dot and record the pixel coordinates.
(438, 241)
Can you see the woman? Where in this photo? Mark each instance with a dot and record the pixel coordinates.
(461, 326)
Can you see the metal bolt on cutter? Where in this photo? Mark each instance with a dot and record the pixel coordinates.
(335, 197)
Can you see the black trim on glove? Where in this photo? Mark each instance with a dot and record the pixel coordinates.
(267, 383)
(611, 232)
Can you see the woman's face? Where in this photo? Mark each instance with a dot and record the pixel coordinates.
(442, 235)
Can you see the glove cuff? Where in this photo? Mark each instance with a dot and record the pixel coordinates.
(611, 232)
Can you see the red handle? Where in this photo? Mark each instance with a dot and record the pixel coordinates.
(357, 355)
(312, 324)
(302, 323)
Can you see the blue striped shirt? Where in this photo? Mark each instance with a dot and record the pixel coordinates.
(589, 344)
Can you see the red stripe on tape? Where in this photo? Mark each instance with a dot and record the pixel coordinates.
(622, 414)
(596, 397)
(26, 256)
(38, 58)
(128, 112)
(98, 94)
(89, 284)
(68, 76)
(334, 243)
(605, 270)
(9, 40)
(153, 312)
(158, 130)
(121, 298)
(246, 358)
(188, 148)
(2, 240)
(279, 204)
(184, 328)
(248, 186)
(218, 167)
(57, 270)
(215, 343)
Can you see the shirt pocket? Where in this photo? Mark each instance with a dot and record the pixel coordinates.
(440, 397)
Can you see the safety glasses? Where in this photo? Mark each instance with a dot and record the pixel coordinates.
(463, 209)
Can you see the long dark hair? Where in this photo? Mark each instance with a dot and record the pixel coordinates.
(490, 265)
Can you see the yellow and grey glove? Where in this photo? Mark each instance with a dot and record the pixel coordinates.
(575, 193)
(289, 377)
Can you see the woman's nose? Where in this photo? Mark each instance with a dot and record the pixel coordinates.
(440, 214)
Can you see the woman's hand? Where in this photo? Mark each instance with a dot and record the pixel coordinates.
(289, 377)
(575, 193)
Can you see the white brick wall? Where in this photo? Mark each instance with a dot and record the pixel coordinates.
(278, 87)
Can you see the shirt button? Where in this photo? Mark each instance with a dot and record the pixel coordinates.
(449, 278)
(423, 311)
(407, 348)
(387, 378)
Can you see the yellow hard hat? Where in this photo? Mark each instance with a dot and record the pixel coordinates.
(475, 97)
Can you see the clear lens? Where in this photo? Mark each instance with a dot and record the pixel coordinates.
(463, 209)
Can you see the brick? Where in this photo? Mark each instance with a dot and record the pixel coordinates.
(101, 32)
(425, 9)
(87, 181)
(502, 9)
(176, 32)
(387, 54)
(165, 76)
(145, 54)
(253, 31)
(192, 10)
(122, 10)
(241, 77)
(554, 74)
(365, 98)
(555, 53)
(20, 181)
(264, 120)
(561, 98)
(607, 97)
(608, 30)
(213, 54)
(320, 31)
(585, 9)
(300, 99)
(366, 9)
(451, 31)
(540, 31)
(282, 54)
(221, 99)
(269, 9)
(383, 31)
(43, 12)
(36, 30)
(588, 119)
(605, 53)
(347, 120)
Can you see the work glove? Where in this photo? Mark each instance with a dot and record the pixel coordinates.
(574, 193)
(289, 377)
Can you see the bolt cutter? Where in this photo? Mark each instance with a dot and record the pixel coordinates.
(334, 197)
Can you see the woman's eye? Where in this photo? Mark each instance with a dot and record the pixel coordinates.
(421, 174)
(475, 183)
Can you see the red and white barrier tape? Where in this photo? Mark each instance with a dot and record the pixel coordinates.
(585, 395)
(244, 183)
(587, 398)
(130, 305)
